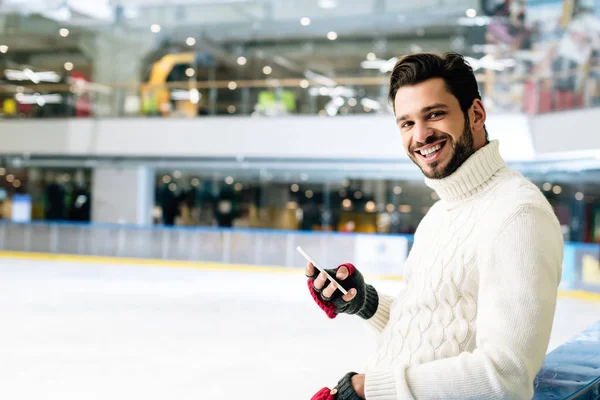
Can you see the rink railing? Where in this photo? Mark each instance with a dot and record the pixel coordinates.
(382, 254)
(378, 254)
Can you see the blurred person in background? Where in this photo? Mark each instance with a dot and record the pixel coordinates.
(474, 318)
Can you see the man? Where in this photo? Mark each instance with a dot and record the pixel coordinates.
(474, 319)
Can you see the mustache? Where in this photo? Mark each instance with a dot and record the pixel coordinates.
(431, 139)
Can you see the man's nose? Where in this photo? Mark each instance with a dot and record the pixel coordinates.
(422, 132)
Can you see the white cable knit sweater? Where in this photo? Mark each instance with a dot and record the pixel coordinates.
(474, 319)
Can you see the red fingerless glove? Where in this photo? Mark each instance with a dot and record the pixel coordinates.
(327, 306)
(323, 394)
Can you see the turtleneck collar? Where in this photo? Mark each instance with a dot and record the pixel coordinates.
(473, 176)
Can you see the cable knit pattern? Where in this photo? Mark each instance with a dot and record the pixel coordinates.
(474, 318)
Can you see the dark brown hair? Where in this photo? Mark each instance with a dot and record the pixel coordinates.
(451, 67)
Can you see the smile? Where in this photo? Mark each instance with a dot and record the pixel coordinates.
(431, 152)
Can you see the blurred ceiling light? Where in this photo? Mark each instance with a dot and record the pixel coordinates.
(190, 72)
(238, 186)
(38, 99)
(241, 60)
(352, 102)
(16, 183)
(370, 103)
(303, 177)
(425, 210)
(578, 196)
(390, 207)
(166, 179)
(172, 187)
(358, 195)
(35, 77)
(346, 182)
(381, 65)
(229, 180)
(371, 57)
(231, 109)
(556, 189)
(304, 83)
(190, 41)
(367, 109)
(327, 4)
(347, 203)
(3, 48)
(322, 113)
(397, 189)
(155, 28)
(195, 182)
(64, 32)
(232, 85)
(308, 194)
(294, 188)
(2, 171)
(370, 206)
(68, 66)
(323, 91)
(304, 21)
(176, 174)
(267, 70)
(434, 196)
(471, 13)
(194, 96)
(405, 208)
(292, 205)
(488, 62)
(547, 186)
(10, 178)
(332, 35)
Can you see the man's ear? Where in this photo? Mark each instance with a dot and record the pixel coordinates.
(478, 115)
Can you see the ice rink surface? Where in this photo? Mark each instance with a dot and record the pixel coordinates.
(92, 331)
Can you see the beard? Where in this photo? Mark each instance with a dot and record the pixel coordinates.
(463, 148)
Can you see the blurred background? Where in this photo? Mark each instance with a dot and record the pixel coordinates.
(231, 131)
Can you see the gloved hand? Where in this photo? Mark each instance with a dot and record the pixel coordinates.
(343, 391)
(362, 299)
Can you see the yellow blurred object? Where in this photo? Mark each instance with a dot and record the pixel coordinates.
(10, 107)
(363, 223)
(156, 94)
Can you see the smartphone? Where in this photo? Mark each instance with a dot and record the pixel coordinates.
(317, 266)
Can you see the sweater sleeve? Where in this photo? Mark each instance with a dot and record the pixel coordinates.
(518, 281)
(381, 317)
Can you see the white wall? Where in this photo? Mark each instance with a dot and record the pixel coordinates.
(566, 131)
(351, 137)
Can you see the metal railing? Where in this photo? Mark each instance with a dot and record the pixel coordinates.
(207, 244)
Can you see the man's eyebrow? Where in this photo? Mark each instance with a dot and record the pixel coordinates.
(424, 110)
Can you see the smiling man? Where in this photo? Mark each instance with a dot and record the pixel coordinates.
(474, 318)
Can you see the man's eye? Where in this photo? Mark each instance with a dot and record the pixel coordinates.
(406, 124)
(436, 114)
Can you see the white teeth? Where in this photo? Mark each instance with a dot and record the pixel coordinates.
(431, 150)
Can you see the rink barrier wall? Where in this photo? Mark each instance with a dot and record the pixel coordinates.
(242, 249)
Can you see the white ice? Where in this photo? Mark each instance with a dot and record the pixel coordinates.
(91, 331)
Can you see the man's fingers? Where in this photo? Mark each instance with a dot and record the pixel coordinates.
(320, 281)
(342, 273)
(328, 292)
(350, 295)
(310, 269)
